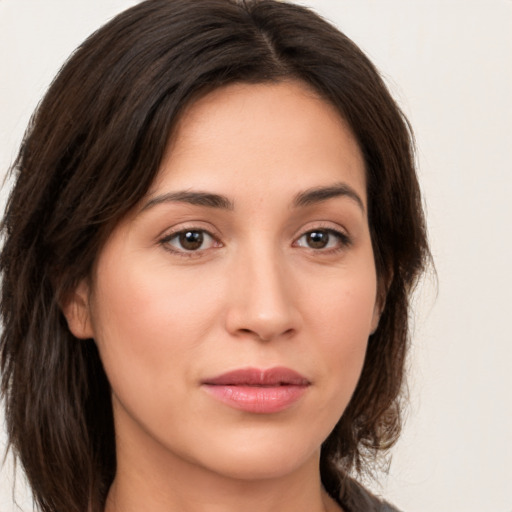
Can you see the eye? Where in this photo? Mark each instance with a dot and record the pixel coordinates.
(323, 239)
(190, 240)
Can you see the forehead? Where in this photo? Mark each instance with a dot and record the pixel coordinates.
(274, 134)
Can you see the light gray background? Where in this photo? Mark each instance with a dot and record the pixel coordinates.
(448, 63)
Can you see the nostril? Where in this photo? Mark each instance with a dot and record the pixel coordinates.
(255, 334)
(266, 336)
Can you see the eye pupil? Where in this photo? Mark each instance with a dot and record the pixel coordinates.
(318, 239)
(191, 240)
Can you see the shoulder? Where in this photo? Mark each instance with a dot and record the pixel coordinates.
(356, 498)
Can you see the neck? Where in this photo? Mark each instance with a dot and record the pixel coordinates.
(134, 494)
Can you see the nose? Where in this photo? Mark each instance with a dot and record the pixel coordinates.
(262, 303)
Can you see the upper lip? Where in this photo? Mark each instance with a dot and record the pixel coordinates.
(278, 376)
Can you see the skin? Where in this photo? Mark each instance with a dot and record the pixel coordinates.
(256, 293)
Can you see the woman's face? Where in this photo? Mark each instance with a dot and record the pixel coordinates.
(233, 306)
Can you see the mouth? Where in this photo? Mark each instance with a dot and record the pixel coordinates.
(258, 391)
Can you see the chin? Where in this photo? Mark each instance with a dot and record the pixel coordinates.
(260, 454)
(275, 464)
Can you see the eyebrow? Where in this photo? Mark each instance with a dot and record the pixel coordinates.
(320, 194)
(196, 198)
(306, 198)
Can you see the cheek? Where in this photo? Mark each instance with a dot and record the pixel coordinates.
(343, 305)
(340, 315)
(149, 321)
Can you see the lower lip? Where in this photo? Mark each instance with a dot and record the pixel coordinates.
(257, 399)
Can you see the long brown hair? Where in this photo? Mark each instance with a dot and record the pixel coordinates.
(90, 153)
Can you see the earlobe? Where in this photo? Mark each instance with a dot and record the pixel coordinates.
(77, 312)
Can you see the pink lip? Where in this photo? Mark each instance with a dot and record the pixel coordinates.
(258, 391)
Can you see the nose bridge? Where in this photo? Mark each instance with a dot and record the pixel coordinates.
(261, 299)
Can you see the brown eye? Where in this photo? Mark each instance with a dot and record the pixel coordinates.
(323, 239)
(317, 239)
(189, 240)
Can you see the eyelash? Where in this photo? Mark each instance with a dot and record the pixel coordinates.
(344, 241)
(166, 242)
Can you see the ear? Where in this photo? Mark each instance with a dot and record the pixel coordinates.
(377, 311)
(380, 303)
(76, 309)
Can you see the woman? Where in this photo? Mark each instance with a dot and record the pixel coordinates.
(209, 248)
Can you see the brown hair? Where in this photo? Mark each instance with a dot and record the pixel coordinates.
(90, 153)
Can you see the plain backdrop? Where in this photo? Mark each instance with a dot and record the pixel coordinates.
(449, 64)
